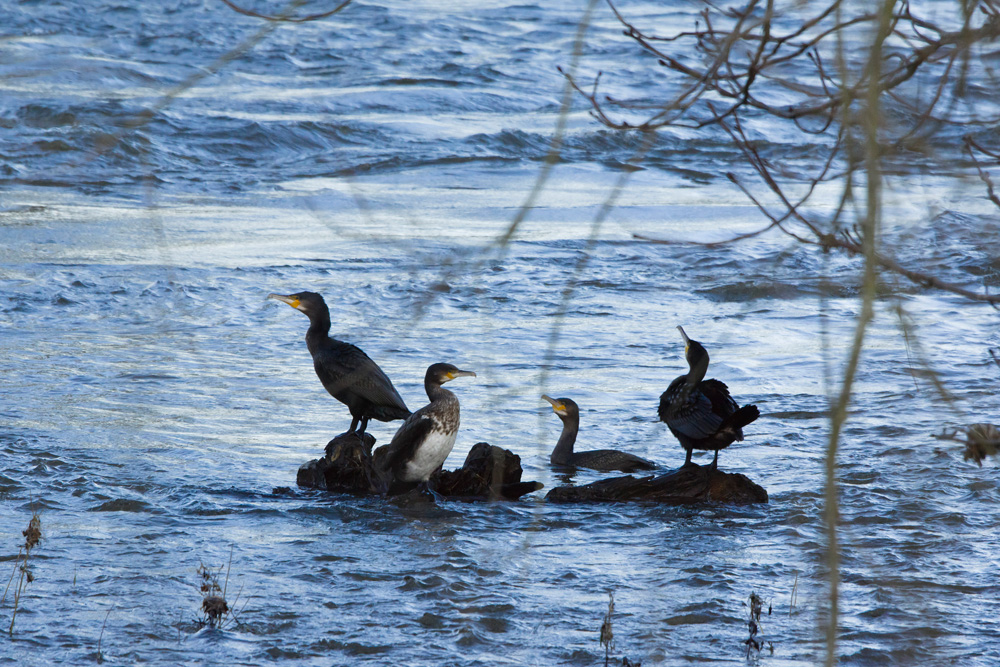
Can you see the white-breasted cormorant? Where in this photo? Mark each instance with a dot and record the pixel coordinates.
(426, 438)
(700, 412)
(344, 369)
(595, 459)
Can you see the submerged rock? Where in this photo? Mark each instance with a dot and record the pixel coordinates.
(687, 485)
(489, 473)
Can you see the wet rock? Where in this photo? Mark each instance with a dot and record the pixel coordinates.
(489, 473)
(346, 468)
(686, 485)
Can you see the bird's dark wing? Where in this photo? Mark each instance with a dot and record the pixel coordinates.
(718, 393)
(409, 436)
(695, 418)
(669, 397)
(689, 411)
(344, 367)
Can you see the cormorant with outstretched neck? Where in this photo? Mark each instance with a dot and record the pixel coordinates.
(347, 373)
(700, 412)
(595, 459)
(426, 438)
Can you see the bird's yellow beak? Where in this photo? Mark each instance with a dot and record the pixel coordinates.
(687, 341)
(558, 407)
(290, 300)
(460, 374)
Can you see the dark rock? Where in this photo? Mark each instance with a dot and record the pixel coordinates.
(686, 485)
(347, 467)
(489, 473)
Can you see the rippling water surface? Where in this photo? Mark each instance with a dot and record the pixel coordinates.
(152, 400)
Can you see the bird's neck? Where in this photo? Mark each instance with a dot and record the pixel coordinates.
(436, 392)
(564, 448)
(319, 329)
(697, 371)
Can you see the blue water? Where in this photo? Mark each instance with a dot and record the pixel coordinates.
(152, 399)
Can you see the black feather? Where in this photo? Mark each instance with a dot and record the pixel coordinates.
(701, 413)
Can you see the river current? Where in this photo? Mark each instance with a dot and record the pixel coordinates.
(153, 402)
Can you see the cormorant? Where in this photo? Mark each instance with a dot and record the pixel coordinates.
(597, 459)
(345, 370)
(425, 439)
(700, 412)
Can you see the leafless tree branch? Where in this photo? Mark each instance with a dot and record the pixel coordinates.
(286, 18)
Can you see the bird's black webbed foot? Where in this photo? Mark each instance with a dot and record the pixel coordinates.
(428, 491)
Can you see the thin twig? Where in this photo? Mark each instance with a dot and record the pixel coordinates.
(100, 655)
(228, 568)
(286, 18)
(869, 285)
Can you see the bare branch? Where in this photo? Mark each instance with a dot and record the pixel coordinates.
(287, 18)
(983, 176)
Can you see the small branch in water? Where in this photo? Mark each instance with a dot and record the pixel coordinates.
(286, 18)
(32, 536)
(795, 593)
(607, 632)
(753, 623)
(100, 655)
(214, 605)
(608, 636)
(980, 440)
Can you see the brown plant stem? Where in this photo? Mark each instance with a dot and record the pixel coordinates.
(869, 240)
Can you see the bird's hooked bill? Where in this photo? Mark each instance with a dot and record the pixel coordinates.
(556, 404)
(290, 300)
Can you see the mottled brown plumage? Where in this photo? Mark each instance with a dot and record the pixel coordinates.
(425, 439)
